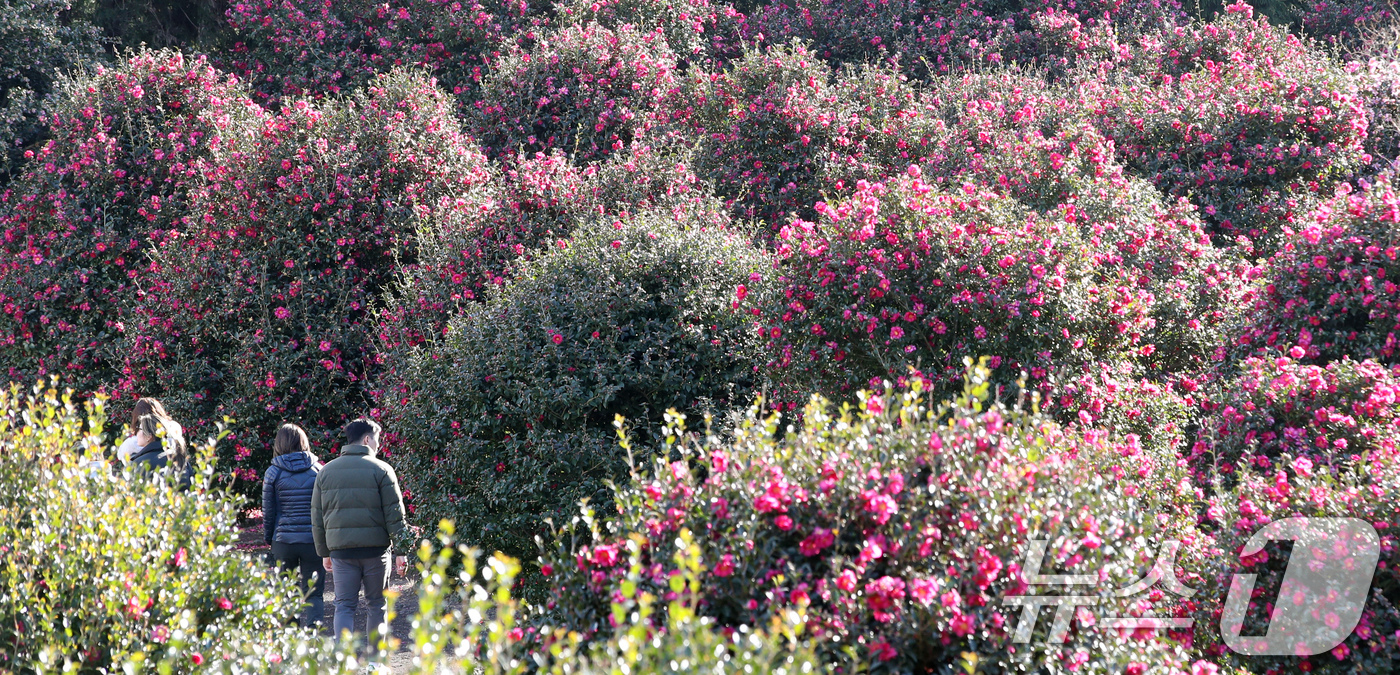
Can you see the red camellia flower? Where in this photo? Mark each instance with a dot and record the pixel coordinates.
(725, 566)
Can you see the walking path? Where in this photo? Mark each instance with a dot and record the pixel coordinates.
(250, 540)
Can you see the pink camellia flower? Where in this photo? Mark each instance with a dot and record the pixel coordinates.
(725, 566)
(816, 542)
(741, 292)
(962, 625)
(923, 591)
(874, 405)
(882, 651)
(225, 603)
(282, 312)
(557, 338)
(882, 596)
(605, 555)
(896, 333)
(784, 523)
(546, 569)
(846, 581)
(325, 345)
(1303, 466)
(881, 505)
(197, 659)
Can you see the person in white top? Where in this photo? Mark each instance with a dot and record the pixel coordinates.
(146, 406)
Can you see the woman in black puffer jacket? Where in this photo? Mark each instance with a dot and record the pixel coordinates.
(287, 514)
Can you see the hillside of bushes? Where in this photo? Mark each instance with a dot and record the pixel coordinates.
(852, 299)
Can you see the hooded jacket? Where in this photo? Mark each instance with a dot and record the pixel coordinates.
(287, 487)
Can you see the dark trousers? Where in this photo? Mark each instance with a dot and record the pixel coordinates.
(352, 574)
(303, 557)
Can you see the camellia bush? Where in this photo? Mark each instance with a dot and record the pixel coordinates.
(263, 308)
(507, 418)
(1303, 441)
(288, 49)
(900, 527)
(903, 274)
(1332, 287)
(1252, 124)
(778, 127)
(1277, 406)
(937, 38)
(585, 90)
(128, 146)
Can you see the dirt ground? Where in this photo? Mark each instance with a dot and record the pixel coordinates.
(251, 542)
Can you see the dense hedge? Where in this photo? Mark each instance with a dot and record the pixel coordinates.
(508, 418)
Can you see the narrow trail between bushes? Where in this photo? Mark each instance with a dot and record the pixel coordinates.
(250, 541)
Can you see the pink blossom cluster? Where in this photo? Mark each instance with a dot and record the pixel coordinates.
(902, 537)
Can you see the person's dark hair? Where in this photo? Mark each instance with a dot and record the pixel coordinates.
(357, 430)
(147, 406)
(290, 438)
(172, 443)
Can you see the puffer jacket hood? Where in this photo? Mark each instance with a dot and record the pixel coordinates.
(287, 488)
(295, 462)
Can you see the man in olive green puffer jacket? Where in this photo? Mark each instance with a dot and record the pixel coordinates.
(356, 509)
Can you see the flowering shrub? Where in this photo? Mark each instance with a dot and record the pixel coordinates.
(586, 90)
(695, 30)
(773, 121)
(901, 528)
(1296, 486)
(262, 308)
(506, 420)
(127, 150)
(904, 275)
(1344, 22)
(291, 48)
(1276, 407)
(39, 41)
(1377, 69)
(474, 241)
(1332, 287)
(1251, 123)
(934, 38)
(138, 566)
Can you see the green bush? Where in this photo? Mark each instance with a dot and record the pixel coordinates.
(507, 419)
(101, 567)
(40, 41)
